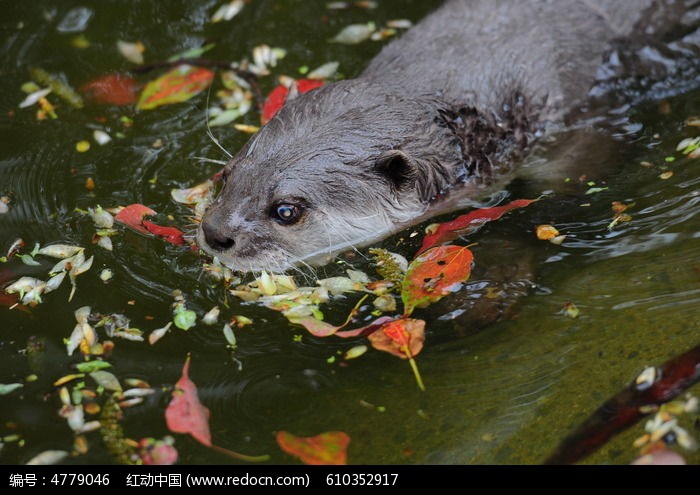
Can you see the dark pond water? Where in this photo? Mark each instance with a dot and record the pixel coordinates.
(507, 394)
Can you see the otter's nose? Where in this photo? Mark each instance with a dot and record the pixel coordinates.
(215, 237)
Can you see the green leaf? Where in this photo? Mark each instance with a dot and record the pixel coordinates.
(192, 52)
(184, 318)
(106, 380)
(90, 366)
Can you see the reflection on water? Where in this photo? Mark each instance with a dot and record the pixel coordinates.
(506, 394)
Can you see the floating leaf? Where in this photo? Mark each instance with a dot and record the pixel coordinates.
(434, 274)
(27, 259)
(175, 86)
(112, 89)
(101, 218)
(366, 330)
(172, 235)
(211, 316)
(355, 352)
(467, 224)
(571, 310)
(107, 380)
(194, 194)
(60, 251)
(47, 457)
(158, 334)
(155, 452)
(185, 413)
(325, 71)
(319, 328)
(328, 448)
(101, 137)
(192, 52)
(403, 338)
(354, 33)
(184, 318)
(58, 87)
(275, 100)
(6, 388)
(546, 232)
(34, 97)
(90, 366)
(229, 335)
(132, 216)
(228, 11)
(133, 52)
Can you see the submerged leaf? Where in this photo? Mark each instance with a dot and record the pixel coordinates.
(185, 413)
(111, 89)
(328, 448)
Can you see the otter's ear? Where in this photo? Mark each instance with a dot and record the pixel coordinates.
(397, 167)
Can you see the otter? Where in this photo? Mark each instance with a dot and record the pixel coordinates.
(438, 120)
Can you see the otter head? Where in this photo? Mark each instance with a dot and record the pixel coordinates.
(338, 167)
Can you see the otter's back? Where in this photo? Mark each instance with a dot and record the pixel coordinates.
(474, 51)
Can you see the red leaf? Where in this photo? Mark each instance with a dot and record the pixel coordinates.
(177, 85)
(112, 89)
(275, 100)
(366, 330)
(403, 337)
(132, 216)
(319, 328)
(170, 234)
(467, 224)
(434, 274)
(328, 448)
(185, 414)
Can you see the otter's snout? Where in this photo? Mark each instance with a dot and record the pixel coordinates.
(215, 236)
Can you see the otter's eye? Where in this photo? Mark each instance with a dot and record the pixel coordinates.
(287, 213)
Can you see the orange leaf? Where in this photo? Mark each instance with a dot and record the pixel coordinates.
(467, 224)
(328, 448)
(434, 274)
(546, 232)
(403, 338)
(185, 414)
